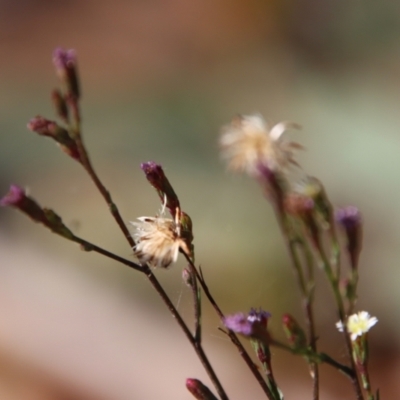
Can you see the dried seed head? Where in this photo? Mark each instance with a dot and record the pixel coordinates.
(247, 142)
(157, 241)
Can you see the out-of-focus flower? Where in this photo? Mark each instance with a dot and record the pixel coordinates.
(313, 188)
(349, 218)
(158, 241)
(66, 67)
(298, 204)
(358, 324)
(253, 325)
(14, 197)
(248, 142)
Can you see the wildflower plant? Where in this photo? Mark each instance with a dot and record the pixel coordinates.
(310, 227)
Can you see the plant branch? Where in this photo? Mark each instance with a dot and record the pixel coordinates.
(242, 351)
(306, 291)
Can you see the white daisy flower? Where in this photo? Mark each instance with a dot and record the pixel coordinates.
(358, 324)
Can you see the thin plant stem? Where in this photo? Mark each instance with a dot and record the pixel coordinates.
(86, 163)
(242, 351)
(334, 282)
(319, 357)
(192, 339)
(306, 291)
(196, 304)
(87, 246)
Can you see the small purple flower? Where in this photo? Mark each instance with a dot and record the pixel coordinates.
(154, 173)
(14, 197)
(349, 217)
(253, 324)
(239, 323)
(259, 316)
(66, 67)
(63, 59)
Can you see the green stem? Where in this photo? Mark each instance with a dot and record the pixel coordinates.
(316, 357)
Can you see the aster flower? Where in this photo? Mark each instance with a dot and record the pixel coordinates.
(252, 325)
(158, 241)
(358, 324)
(248, 143)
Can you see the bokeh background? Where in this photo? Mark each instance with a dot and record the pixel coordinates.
(160, 77)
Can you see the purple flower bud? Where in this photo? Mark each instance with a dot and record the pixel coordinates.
(260, 317)
(43, 126)
(155, 175)
(66, 67)
(199, 390)
(63, 59)
(349, 218)
(14, 197)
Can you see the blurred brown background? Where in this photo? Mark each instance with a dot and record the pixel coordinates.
(159, 79)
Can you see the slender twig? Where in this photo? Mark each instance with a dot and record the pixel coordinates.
(306, 291)
(87, 246)
(86, 163)
(334, 282)
(242, 351)
(319, 357)
(192, 339)
(196, 304)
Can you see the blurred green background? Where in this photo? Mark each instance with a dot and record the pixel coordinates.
(159, 79)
